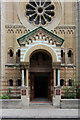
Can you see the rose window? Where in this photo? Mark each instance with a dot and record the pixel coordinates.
(40, 12)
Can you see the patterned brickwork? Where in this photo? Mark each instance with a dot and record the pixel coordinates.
(14, 74)
(67, 73)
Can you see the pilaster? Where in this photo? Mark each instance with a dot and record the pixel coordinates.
(2, 41)
(25, 88)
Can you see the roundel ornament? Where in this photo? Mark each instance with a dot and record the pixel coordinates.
(35, 13)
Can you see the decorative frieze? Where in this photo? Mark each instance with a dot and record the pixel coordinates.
(14, 26)
(20, 29)
(66, 27)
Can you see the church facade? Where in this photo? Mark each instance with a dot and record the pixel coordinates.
(39, 48)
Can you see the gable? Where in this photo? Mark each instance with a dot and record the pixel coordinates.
(40, 34)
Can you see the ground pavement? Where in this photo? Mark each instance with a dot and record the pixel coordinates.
(38, 111)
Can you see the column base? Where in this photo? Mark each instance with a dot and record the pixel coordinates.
(24, 96)
(25, 100)
(57, 96)
(56, 101)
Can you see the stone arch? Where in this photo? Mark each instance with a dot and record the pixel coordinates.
(40, 47)
(40, 58)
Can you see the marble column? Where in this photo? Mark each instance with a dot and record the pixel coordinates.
(22, 77)
(58, 77)
(27, 77)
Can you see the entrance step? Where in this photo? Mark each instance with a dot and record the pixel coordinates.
(41, 101)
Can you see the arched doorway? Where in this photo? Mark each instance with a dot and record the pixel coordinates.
(40, 75)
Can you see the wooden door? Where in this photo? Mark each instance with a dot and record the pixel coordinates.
(32, 87)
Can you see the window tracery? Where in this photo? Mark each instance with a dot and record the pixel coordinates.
(40, 12)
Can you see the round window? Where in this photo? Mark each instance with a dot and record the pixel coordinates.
(35, 13)
(40, 13)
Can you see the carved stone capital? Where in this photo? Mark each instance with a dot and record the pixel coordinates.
(24, 65)
(56, 65)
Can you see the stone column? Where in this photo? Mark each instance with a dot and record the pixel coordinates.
(54, 81)
(27, 77)
(27, 82)
(2, 44)
(54, 74)
(78, 40)
(22, 77)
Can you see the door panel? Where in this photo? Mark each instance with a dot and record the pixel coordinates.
(32, 87)
(41, 87)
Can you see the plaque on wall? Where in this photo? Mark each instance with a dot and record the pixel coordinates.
(57, 92)
(23, 92)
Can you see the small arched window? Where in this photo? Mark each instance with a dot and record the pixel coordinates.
(69, 53)
(18, 56)
(62, 82)
(18, 82)
(10, 57)
(37, 36)
(10, 82)
(11, 53)
(61, 53)
(70, 82)
(70, 57)
(18, 53)
(44, 37)
(62, 56)
(40, 36)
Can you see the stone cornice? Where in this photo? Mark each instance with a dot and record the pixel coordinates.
(66, 27)
(12, 65)
(71, 66)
